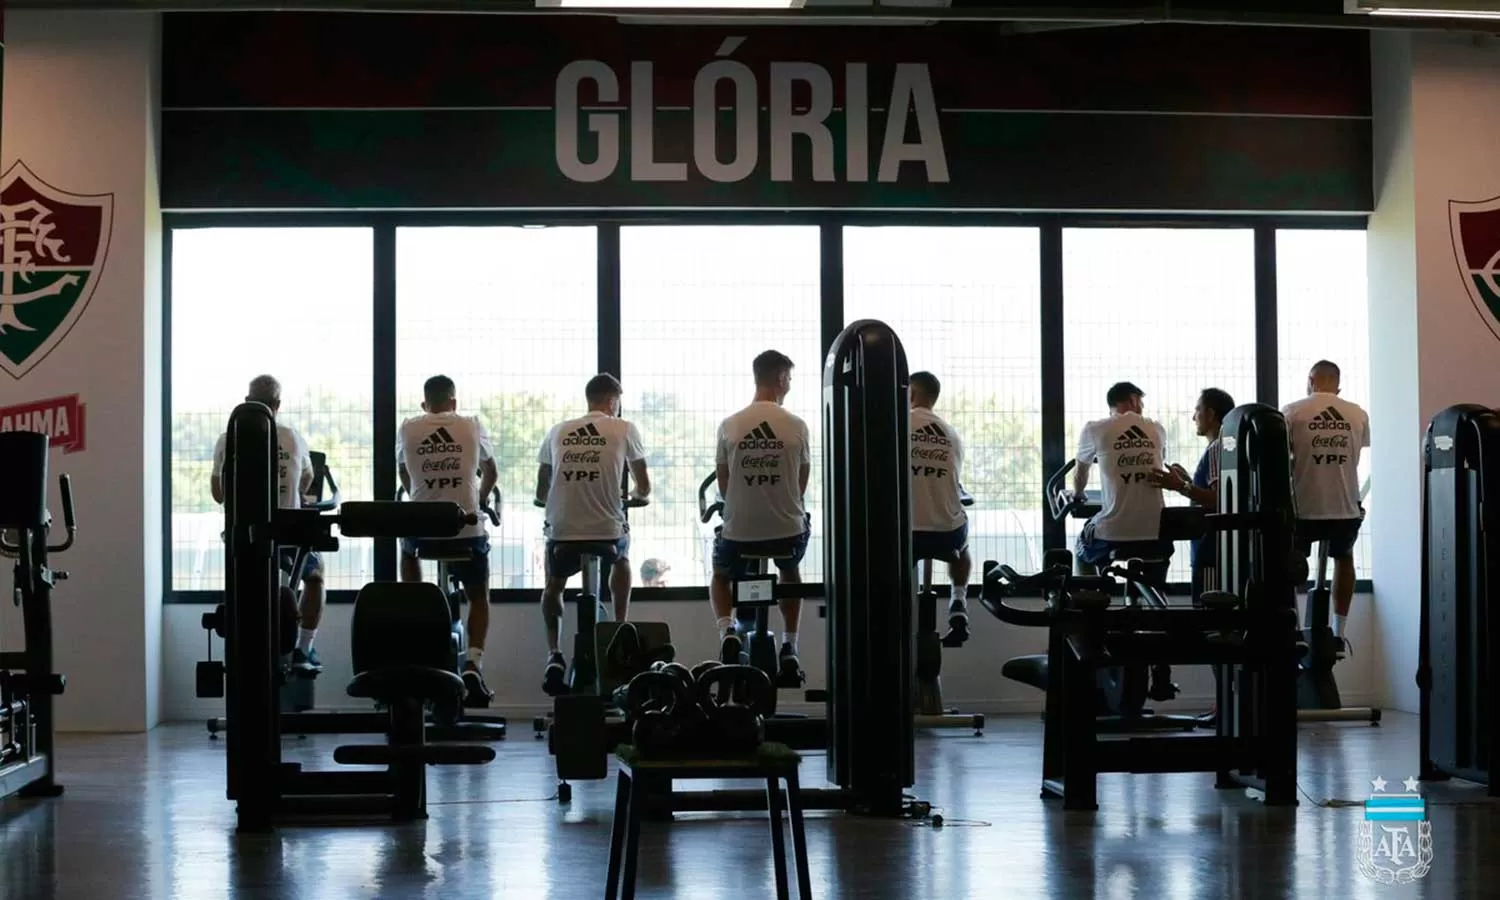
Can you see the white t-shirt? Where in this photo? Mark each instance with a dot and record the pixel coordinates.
(1128, 447)
(442, 453)
(937, 457)
(765, 448)
(1327, 434)
(588, 457)
(295, 465)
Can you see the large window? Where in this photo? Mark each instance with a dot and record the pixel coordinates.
(1323, 312)
(511, 315)
(289, 302)
(1172, 310)
(966, 303)
(697, 305)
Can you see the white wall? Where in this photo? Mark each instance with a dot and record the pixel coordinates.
(78, 110)
(513, 664)
(1437, 140)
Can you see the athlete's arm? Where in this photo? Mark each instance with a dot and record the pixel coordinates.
(640, 479)
(1084, 460)
(804, 472)
(305, 483)
(489, 473)
(543, 482)
(405, 477)
(721, 461)
(635, 458)
(216, 480)
(544, 468)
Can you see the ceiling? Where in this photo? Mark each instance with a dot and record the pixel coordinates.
(1038, 13)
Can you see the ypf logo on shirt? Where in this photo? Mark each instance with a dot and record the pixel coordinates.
(440, 441)
(1134, 439)
(588, 435)
(1329, 420)
(761, 437)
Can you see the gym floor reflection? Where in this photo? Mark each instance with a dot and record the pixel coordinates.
(145, 817)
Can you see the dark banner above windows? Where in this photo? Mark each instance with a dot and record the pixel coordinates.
(305, 111)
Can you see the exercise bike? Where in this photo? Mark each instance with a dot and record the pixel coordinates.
(930, 712)
(444, 552)
(1121, 691)
(297, 687)
(28, 758)
(754, 593)
(1317, 692)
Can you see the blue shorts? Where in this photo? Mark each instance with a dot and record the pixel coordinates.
(471, 572)
(565, 558)
(730, 561)
(943, 546)
(1339, 533)
(1097, 551)
(312, 566)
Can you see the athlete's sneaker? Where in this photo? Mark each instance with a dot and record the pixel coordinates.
(306, 663)
(729, 650)
(958, 624)
(790, 668)
(555, 678)
(476, 692)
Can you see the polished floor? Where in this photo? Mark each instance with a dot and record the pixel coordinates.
(145, 817)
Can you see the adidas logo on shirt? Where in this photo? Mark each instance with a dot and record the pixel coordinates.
(587, 435)
(439, 441)
(761, 438)
(1329, 420)
(1134, 438)
(930, 434)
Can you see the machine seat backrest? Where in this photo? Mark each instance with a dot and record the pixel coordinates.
(401, 624)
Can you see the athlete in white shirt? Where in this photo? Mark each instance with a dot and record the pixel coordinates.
(1128, 447)
(763, 460)
(445, 457)
(940, 527)
(579, 470)
(1327, 434)
(294, 480)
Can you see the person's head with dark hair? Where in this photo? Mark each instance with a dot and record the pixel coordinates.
(1323, 378)
(603, 393)
(1124, 397)
(924, 388)
(773, 375)
(1213, 405)
(439, 395)
(265, 389)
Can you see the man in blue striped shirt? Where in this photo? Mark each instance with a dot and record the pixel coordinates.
(1203, 487)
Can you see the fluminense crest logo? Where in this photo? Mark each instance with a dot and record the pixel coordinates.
(52, 250)
(1395, 838)
(1475, 229)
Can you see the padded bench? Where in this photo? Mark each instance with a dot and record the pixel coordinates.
(639, 778)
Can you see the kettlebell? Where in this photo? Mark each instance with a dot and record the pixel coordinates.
(734, 700)
(655, 702)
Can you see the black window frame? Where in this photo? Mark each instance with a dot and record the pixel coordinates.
(831, 224)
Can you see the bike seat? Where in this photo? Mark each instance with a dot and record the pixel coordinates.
(772, 551)
(441, 550)
(606, 551)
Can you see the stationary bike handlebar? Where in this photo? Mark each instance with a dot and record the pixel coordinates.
(490, 509)
(708, 509)
(1062, 503)
(70, 522)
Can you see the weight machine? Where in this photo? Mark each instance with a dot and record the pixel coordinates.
(28, 763)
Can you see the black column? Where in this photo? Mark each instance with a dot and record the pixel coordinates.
(384, 386)
(1054, 398)
(1267, 371)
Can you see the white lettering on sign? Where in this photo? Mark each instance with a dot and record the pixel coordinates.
(911, 101)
